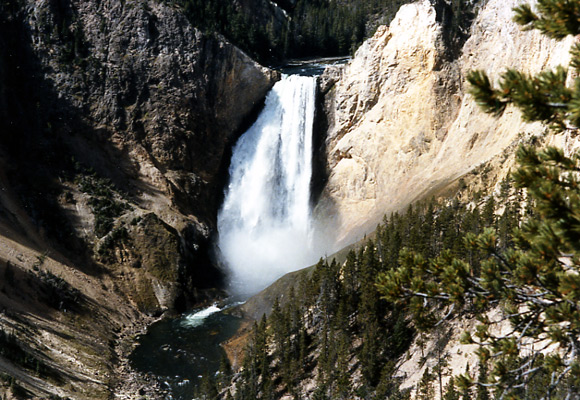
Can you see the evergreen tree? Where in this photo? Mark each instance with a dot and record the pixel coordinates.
(324, 359)
(450, 392)
(388, 386)
(440, 368)
(482, 391)
(545, 96)
(425, 389)
(342, 372)
(320, 393)
(369, 308)
(225, 371)
(350, 282)
(208, 388)
(463, 383)
(537, 282)
(313, 27)
(427, 231)
(370, 354)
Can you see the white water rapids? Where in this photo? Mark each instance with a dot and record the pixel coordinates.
(197, 319)
(265, 221)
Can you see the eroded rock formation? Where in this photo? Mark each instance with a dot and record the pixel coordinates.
(401, 126)
(115, 123)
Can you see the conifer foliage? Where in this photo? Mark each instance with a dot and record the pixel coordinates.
(535, 280)
(339, 333)
(312, 27)
(545, 96)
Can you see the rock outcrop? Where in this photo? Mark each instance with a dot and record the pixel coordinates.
(116, 119)
(131, 91)
(401, 126)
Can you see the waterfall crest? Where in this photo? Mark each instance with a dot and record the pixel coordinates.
(264, 223)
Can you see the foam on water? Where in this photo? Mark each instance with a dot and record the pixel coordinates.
(197, 319)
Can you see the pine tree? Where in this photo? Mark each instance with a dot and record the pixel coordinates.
(427, 227)
(320, 393)
(481, 390)
(342, 372)
(369, 308)
(537, 282)
(208, 387)
(464, 386)
(545, 96)
(440, 368)
(324, 359)
(278, 329)
(425, 389)
(388, 387)
(450, 392)
(225, 370)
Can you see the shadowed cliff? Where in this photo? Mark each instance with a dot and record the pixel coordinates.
(115, 118)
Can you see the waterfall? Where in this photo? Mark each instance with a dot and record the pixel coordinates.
(264, 224)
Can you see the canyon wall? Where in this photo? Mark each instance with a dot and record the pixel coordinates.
(401, 125)
(126, 98)
(116, 119)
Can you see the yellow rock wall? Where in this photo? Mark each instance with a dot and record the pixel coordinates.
(401, 125)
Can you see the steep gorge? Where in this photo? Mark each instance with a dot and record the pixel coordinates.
(142, 99)
(401, 128)
(115, 119)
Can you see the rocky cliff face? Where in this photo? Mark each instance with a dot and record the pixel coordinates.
(401, 126)
(115, 119)
(131, 92)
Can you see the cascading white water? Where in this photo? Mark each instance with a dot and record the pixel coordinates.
(264, 224)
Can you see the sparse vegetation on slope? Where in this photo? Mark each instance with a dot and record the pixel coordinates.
(535, 281)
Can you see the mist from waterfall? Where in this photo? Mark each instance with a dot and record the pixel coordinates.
(265, 221)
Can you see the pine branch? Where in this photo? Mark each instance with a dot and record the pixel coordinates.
(525, 16)
(490, 100)
(555, 18)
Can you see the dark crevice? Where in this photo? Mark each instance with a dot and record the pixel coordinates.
(456, 18)
(320, 170)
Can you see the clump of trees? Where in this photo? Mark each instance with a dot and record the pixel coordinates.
(313, 27)
(535, 280)
(59, 294)
(339, 323)
(105, 200)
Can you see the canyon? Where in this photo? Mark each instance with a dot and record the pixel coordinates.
(116, 120)
(117, 123)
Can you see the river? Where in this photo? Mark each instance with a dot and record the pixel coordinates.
(178, 352)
